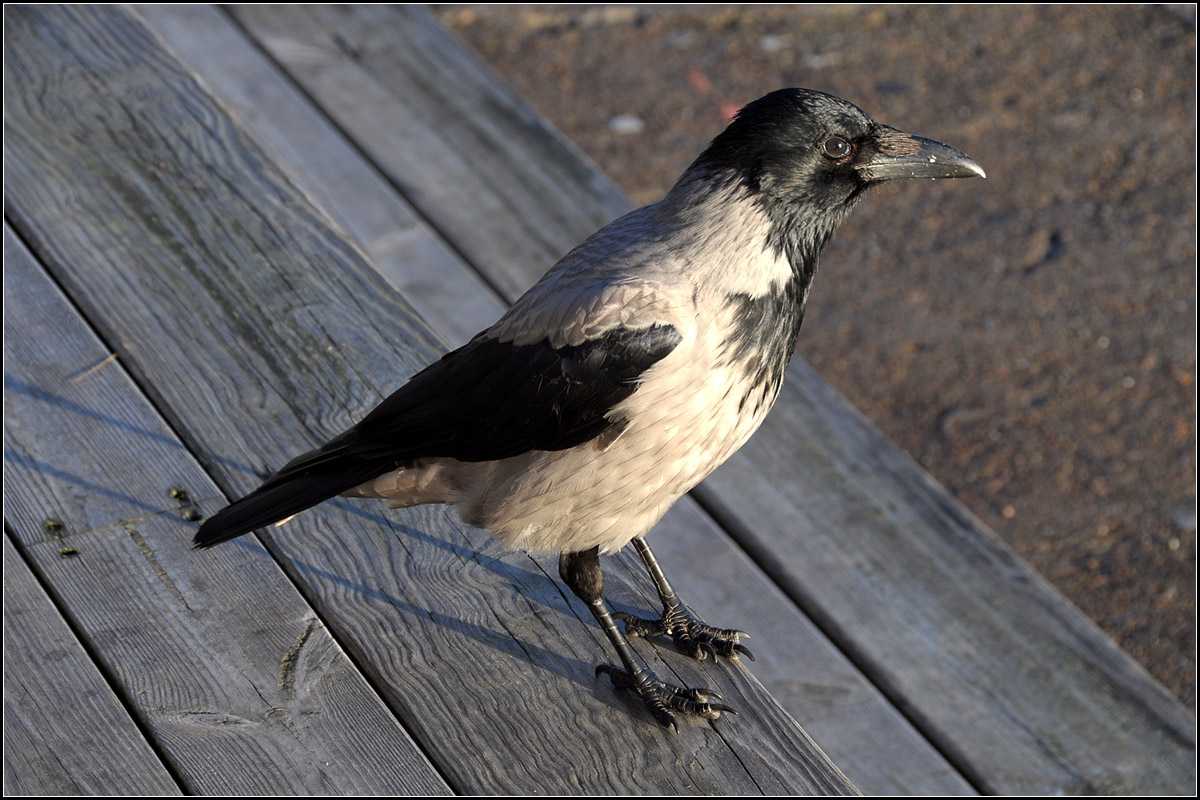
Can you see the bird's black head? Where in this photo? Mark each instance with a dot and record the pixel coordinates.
(796, 143)
(808, 156)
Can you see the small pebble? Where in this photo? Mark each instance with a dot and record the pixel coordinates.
(772, 42)
(626, 124)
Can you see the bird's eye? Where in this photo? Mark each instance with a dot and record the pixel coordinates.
(836, 147)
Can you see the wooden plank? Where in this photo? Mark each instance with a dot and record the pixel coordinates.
(868, 738)
(225, 290)
(221, 660)
(872, 743)
(1029, 693)
(65, 732)
(521, 220)
(331, 171)
(1089, 719)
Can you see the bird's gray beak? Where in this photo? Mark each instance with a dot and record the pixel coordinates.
(900, 155)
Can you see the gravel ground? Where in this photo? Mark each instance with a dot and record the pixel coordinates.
(1046, 373)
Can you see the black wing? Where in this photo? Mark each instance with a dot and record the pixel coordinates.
(490, 400)
(486, 400)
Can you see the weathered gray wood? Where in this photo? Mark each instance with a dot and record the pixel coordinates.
(480, 654)
(446, 132)
(330, 171)
(1046, 703)
(225, 665)
(1014, 681)
(65, 732)
(871, 742)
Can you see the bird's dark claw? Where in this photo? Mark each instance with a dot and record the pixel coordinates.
(662, 698)
(689, 633)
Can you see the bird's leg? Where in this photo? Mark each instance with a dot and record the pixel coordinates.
(690, 633)
(581, 572)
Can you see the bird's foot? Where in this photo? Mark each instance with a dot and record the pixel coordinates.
(663, 698)
(689, 633)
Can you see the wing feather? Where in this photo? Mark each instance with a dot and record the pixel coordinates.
(487, 400)
(492, 399)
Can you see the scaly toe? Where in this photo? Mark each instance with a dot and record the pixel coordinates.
(663, 698)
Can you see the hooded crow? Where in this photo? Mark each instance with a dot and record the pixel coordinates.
(628, 373)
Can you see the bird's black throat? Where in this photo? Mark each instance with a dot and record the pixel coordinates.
(763, 339)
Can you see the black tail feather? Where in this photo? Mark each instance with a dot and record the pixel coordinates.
(282, 496)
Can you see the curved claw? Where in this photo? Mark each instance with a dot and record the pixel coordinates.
(662, 698)
(741, 648)
(703, 650)
(699, 694)
(731, 649)
(692, 636)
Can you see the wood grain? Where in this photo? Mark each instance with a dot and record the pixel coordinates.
(446, 132)
(65, 732)
(991, 663)
(871, 742)
(257, 329)
(329, 169)
(1014, 680)
(233, 675)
